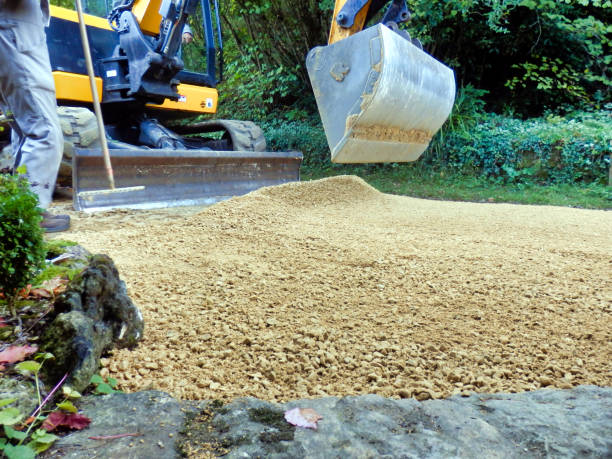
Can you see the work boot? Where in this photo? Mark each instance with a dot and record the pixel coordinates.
(54, 223)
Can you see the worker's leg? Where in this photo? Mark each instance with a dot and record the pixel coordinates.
(28, 93)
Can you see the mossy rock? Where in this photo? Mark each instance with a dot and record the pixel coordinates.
(23, 391)
(91, 317)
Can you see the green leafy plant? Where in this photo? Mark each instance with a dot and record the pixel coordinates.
(102, 387)
(14, 444)
(550, 150)
(571, 149)
(468, 111)
(21, 242)
(305, 135)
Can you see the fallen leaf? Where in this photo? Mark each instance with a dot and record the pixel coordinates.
(56, 285)
(40, 293)
(2, 323)
(72, 421)
(14, 354)
(29, 421)
(25, 292)
(303, 417)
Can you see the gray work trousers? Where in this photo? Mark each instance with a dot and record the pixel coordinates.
(27, 94)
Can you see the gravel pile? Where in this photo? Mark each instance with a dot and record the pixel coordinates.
(332, 288)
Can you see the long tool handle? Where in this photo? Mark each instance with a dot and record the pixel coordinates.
(94, 95)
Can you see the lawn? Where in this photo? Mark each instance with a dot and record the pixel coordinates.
(457, 187)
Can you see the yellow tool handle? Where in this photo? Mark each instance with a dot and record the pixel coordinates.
(94, 95)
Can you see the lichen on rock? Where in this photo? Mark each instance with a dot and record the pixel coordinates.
(24, 393)
(92, 316)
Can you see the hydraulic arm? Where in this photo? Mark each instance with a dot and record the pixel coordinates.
(152, 61)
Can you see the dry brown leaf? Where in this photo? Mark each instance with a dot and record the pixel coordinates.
(14, 354)
(56, 285)
(303, 417)
(40, 293)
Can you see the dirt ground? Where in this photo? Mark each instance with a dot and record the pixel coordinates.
(332, 288)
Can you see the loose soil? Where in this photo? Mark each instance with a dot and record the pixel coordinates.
(332, 288)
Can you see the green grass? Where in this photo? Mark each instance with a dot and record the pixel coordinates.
(412, 181)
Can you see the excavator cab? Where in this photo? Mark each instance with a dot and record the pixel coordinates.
(380, 96)
(147, 98)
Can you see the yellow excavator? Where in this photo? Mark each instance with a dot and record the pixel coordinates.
(380, 96)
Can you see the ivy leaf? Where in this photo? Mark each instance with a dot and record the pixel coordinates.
(96, 379)
(67, 405)
(10, 416)
(29, 366)
(19, 452)
(14, 434)
(70, 392)
(104, 388)
(40, 447)
(7, 401)
(42, 436)
(41, 440)
(44, 356)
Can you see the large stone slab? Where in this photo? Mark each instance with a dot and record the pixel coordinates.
(545, 423)
(155, 416)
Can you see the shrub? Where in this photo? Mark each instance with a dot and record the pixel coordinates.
(468, 111)
(305, 135)
(571, 149)
(21, 242)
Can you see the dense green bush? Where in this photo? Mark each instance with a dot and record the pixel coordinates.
(571, 149)
(21, 242)
(303, 134)
(554, 149)
(531, 55)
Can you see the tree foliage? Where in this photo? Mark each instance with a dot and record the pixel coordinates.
(267, 43)
(530, 55)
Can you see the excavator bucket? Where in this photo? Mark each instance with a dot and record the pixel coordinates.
(381, 98)
(168, 178)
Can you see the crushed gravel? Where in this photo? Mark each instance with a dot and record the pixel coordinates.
(333, 288)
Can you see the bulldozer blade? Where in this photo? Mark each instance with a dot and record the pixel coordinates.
(168, 178)
(381, 98)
